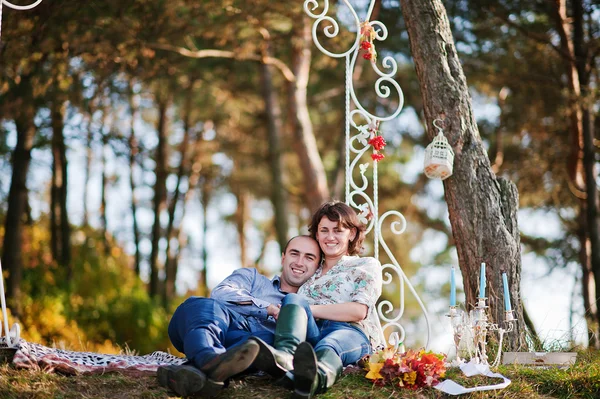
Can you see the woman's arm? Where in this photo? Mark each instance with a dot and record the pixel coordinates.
(348, 311)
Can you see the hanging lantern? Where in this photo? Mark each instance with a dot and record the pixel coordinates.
(439, 157)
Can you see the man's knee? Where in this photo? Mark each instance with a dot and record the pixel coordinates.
(198, 301)
(201, 304)
(294, 299)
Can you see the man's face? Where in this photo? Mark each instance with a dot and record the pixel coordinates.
(299, 262)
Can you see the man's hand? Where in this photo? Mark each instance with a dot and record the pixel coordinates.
(273, 310)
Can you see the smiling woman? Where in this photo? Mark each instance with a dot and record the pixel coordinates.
(339, 317)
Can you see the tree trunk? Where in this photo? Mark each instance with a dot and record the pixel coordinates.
(182, 171)
(582, 168)
(482, 208)
(88, 167)
(241, 217)
(274, 127)
(583, 65)
(305, 144)
(205, 200)
(133, 153)
(59, 219)
(159, 194)
(104, 183)
(17, 204)
(588, 290)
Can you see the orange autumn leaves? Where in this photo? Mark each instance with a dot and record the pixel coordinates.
(412, 369)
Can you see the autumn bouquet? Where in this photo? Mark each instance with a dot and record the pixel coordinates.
(412, 369)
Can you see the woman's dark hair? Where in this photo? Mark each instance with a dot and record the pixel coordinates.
(337, 211)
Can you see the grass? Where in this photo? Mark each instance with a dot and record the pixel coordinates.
(580, 381)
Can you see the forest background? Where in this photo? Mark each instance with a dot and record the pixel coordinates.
(149, 148)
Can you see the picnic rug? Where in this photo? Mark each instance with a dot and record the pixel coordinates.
(40, 357)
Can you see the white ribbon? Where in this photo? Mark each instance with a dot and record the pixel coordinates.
(470, 369)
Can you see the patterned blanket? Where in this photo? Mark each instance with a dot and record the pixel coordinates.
(39, 357)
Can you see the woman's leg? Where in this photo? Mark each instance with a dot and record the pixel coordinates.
(347, 341)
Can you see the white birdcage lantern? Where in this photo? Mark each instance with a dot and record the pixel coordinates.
(439, 157)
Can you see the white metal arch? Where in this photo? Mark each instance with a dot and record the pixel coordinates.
(357, 145)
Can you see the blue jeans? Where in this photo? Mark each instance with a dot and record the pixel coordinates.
(347, 341)
(203, 328)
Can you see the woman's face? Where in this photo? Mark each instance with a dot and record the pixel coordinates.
(334, 238)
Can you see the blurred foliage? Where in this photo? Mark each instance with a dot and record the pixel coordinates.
(104, 307)
(90, 55)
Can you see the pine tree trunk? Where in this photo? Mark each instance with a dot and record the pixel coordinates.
(274, 128)
(89, 153)
(482, 207)
(182, 171)
(241, 217)
(304, 142)
(584, 64)
(104, 184)
(59, 219)
(17, 204)
(133, 153)
(159, 195)
(587, 280)
(582, 162)
(205, 200)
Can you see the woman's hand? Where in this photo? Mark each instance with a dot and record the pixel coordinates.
(348, 311)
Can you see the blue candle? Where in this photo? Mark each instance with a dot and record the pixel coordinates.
(482, 281)
(452, 288)
(506, 294)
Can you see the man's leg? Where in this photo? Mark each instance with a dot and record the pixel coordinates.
(198, 329)
(237, 337)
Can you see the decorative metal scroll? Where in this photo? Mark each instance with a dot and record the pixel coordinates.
(15, 7)
(357, 145)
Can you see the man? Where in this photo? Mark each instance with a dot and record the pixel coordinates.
(245, 304)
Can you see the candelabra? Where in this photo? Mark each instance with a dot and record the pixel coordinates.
(473, 328)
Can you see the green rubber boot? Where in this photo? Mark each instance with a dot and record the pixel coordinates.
(290, 331)
(314, 372)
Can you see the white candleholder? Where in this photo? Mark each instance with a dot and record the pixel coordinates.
(474, 326)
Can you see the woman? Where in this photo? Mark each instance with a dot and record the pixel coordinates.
(342, 296)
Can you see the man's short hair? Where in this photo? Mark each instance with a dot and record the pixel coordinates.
(320, 255)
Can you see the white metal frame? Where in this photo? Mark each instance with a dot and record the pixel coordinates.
(15, 7)
(357, 146)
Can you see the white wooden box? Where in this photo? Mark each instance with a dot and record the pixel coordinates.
(540, 358)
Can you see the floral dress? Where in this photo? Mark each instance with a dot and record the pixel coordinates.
(352, 279)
